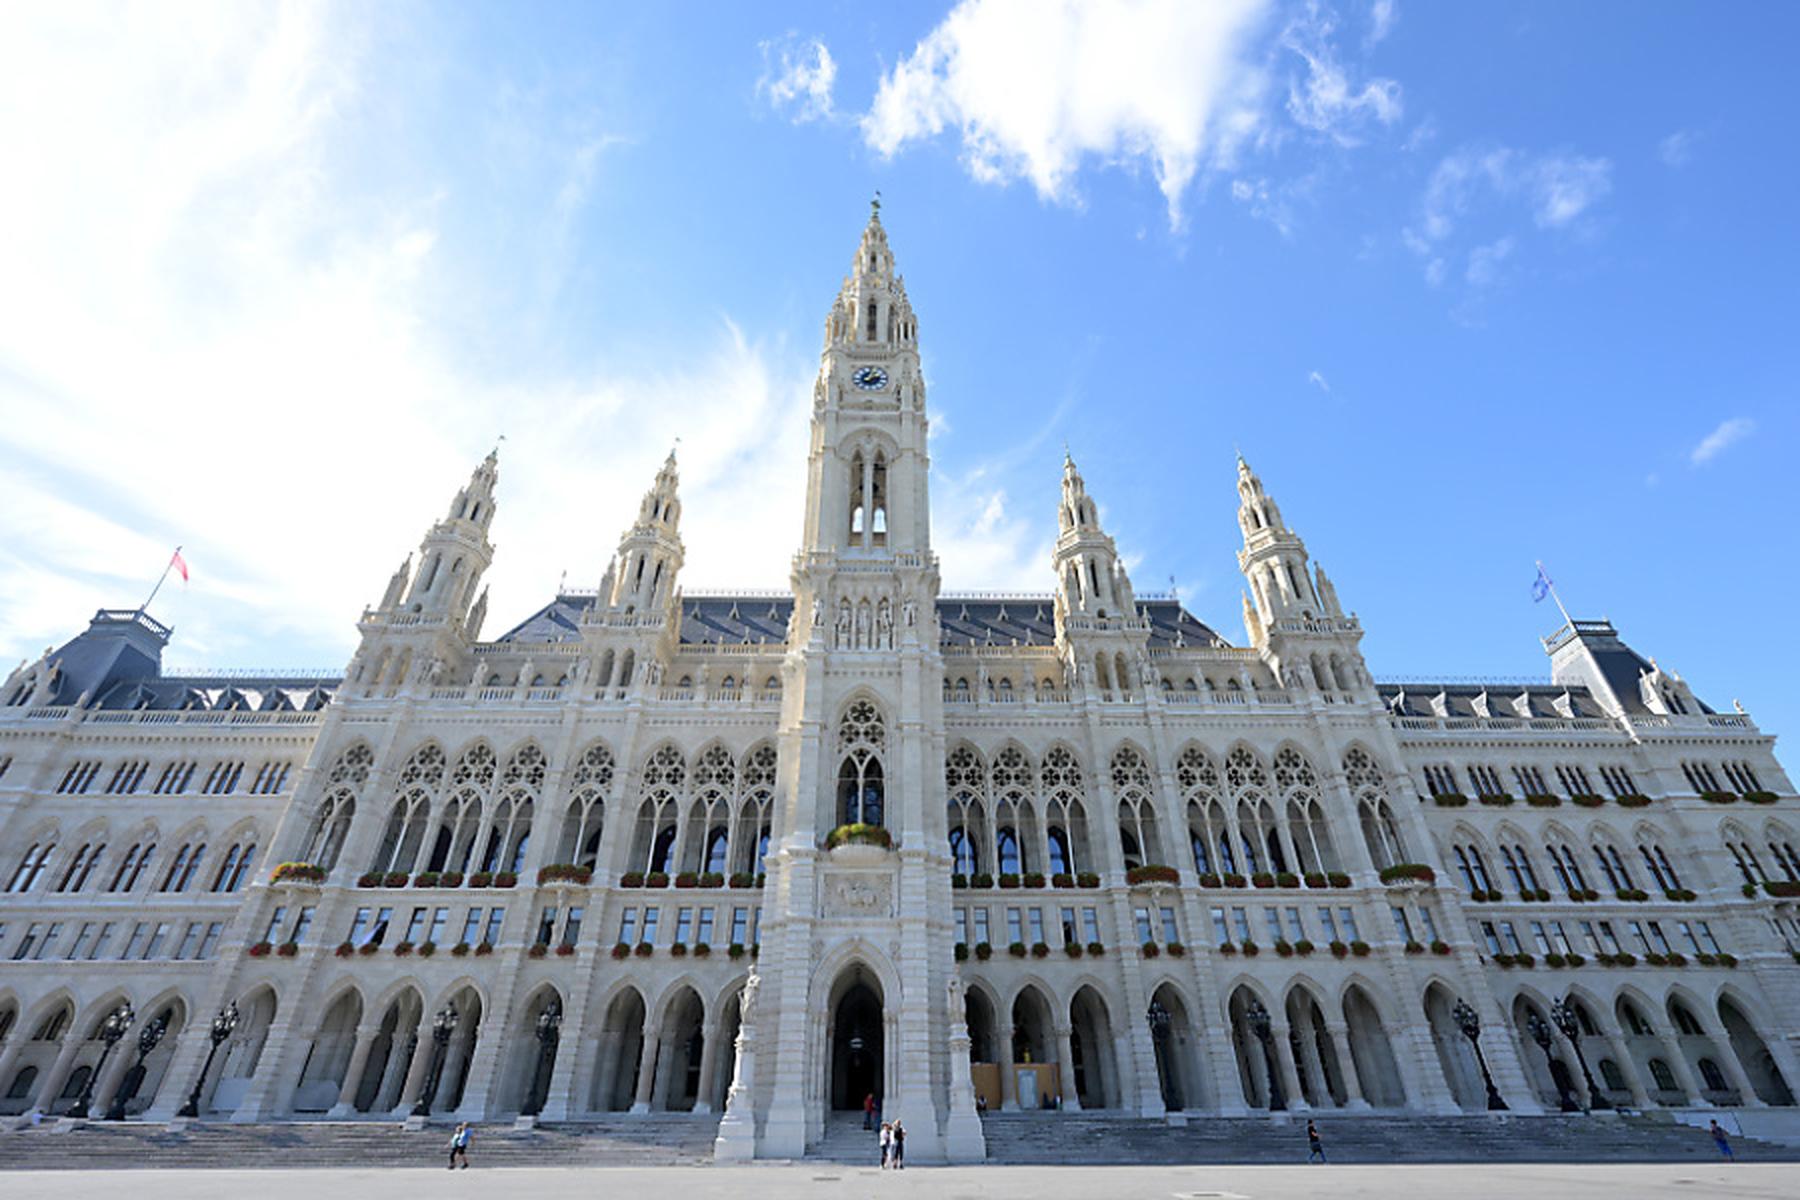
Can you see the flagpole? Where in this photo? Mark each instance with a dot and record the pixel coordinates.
(167, 567)
(1551, 588)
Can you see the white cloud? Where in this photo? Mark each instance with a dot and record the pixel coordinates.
(1728, 433)
(1677, 150)
(1382, 15)
(213, 332)
(798, 74)
(1485, 262)
(1326, 101)
(1038, 87)
(1267, 201)
(1318, 381)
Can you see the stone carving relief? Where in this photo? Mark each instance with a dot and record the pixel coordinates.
(858, 895)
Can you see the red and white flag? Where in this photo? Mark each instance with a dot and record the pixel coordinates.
(179, 563)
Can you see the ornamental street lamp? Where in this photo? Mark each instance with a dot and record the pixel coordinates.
(1468, 1021)
(148, 1038)
(1258, 1018)
(1563, 1013)
(1540, 1033)
(549, 1029)
(221, 1029)
(442, 1026)
(1159, 1020)
(111, 1030)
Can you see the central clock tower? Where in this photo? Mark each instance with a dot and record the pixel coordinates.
(856, 981)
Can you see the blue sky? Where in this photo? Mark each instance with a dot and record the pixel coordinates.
(1470, 285)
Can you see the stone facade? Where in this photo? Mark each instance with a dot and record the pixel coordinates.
(760, 856)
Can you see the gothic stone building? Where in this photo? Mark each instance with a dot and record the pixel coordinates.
(758, 856)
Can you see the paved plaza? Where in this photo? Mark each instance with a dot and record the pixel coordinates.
(1470, 1182)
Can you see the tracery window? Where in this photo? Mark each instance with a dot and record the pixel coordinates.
(1063, 789)
(1138, 840)
(861, 740)
(590, 786)
(750, 845)
(1381, 832)
(965, 782)
(661, 787)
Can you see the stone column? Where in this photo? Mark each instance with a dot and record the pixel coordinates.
(269, 1089)
(1065, 1059)
(709, 1059)
(359, 1062)
(455, 1055)
(423, 1047)
(123, 1056)
(963, 1137)
(50, 1083)
(1315, 1064)
(1734, 1070)
(1684, 1074)
(1284, 1062)
(1354, 1095)
(1009, 1101)
(640, 1103)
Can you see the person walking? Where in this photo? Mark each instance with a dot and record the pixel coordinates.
(898, 1153)
(459, 1147)
(869, 1111)
(1721, 1141)
(887, 1143)
(1315, 1148)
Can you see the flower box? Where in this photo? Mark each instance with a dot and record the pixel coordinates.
(369, 879)
(367, 948)
(702, 949)
(1541, 894)
(1316, 879)
(504, 879)
(1503, 960)
(984, 951)
(860, 834)
(1440, 948)
(1032, 879)
(427, 949)
(1087, 879)
(1228, 948)
(1449, 800)
(565, 951)
(538, 950)
(1177, 950)
(1684, 895)
(632, 879)
(1284, 948)
(1524, 960)
(1303, 947)
(344, 950)
(1785, 889)
(1408, 873)
(1760, 797)
(297, 872)
(1360, 949)
(481, 879)
(687, 879)
(1496, 799)
(1634, 894)
(287, 950)
(711, 879)
(1008, 880)
(483, 949)
(657, 879)
(643, 950)
(450, 879)
(1152, 873)
(1339, 879)
(1234, 880)
(1726, 960)
(1016, 949)
(1209, 879)
(1262, 879)
(1719, 797)
(1587, 801)
(425, 879)
(1040, 950)
(1655, 959)
(1415, 947)
(678, 950)
(1286, 879)
(1149, 950)
(1676, 959)
(1095, 949)
(1250, 949)
(981, 879)
(1072, 949)
(260, 950)
(460, 950)
(1062, 880)
(1553, 959)
(961, 953)
(565, 873)
(403, 950)
(394, 879)
(1542, 800)
(742, 879)
(1635, 800)
(1574, 960)
(621, 950)
(1340, 949)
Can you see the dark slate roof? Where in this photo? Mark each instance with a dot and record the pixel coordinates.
(1462, 699)
(974, 621)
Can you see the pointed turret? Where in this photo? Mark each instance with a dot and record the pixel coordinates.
(455, 551)
(1273, 558)
(642, 573)
(1094, 582)
(871, 308)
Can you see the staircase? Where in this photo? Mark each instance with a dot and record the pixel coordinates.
(1088, 1139)
(847, 1142)
(657, 1139)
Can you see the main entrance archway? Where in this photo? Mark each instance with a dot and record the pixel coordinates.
(857, 1035)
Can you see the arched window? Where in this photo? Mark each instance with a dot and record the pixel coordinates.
(22, 1083)
(1380, 830)
(590, 786)
(750, 845)
(965, 782)
(1138, 839)
(1663, 1076)
(861, 740)
(1063, 788)
(662, 786)
(37, 857)
(237, 864)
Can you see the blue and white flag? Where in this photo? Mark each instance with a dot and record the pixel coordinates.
(1540, 587)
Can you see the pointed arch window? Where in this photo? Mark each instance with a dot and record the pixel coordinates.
(861, 788)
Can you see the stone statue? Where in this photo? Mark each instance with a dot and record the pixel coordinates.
(884, 624)
(909, 612)
(747, 998)
(818, 613)
(843, 625)
(862, 626)
(958, 1011)
(606, 584)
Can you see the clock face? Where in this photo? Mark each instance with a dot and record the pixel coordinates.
(869, 378)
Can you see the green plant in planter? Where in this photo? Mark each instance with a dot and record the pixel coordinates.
(1152, 873)
(1149, 950)
(959, 881)
(1587, 801)
(859, 833)
(1095, 949)
(1262, 879)
(711, 879)
(1303, 947)
(981, 879)
(1032, 879)
(1062, 880)
(1008, 880)
(736, 950)
(1340, 949)
(1087, 879)
(1286, 879)
(1016, 949)
(961, 952)
(1073, 949)
(742, 879)
(1249, 948)
(984, 951)
(1284, 948)
(1360, 949)
(1316, 879)
(1339, 879)
(1449, 800)
(1040, 950)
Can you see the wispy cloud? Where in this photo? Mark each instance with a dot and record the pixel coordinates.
(1728, 434)
(798, 75)
(1037, 88)
(1677, 150)
(1484, 185)
(1382, 16)
(1318, 381)
(1325, 100)
(1485, 262)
